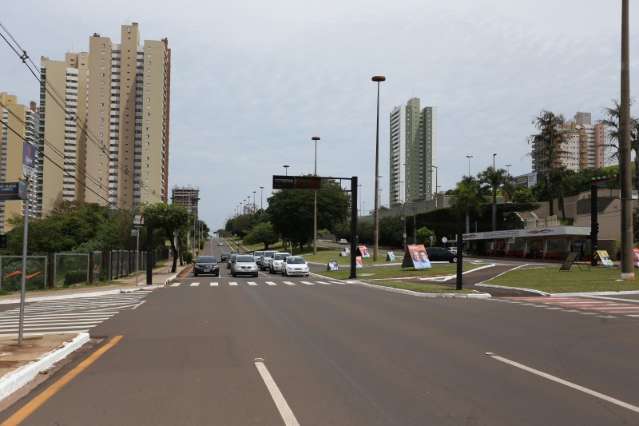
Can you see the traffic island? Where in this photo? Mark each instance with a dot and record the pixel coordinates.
(550, 280)
(20, 364)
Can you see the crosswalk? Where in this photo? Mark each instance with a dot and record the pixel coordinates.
(69, 315)
(603, 307)
(216, 284)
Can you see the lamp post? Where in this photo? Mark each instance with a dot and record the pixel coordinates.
(315, 139)
(261, 197)
(469, 157)
(436, 185)
(508, 166)
(627, 267)
(254, 205)
(494, 155)
(377, 79)
(286, 166)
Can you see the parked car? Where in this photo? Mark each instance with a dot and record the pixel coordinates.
(439, 254)
(206, 265)
(229, 263)
(244, 264)
(225, 257)
(264, 259)
(257, 255)
(277, 263)
(295, 265)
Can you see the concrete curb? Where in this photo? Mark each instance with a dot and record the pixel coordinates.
(423, 295)
(503, 287)
(13, 381)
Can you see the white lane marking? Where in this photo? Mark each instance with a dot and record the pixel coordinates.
(338, 282)
(57, 315)
(571, 385)
(67, 321)
(276, 394)
(252, 283)
(138, 305)
(175, 284)
(270, 283)
(307, 282)
(233, 283)
(633, 316)
(323, 282)
(195, 284)
(214, 284)
(289, 283)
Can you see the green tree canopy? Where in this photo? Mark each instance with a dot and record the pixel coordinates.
(171, 219)
(262, 233)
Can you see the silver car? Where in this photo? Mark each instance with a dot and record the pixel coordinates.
(277, 263)
(244, 264)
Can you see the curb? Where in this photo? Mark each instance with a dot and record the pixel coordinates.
(503, 287)
(424, 295)
(13, 381)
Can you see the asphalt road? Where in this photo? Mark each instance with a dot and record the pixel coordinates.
(347, 355)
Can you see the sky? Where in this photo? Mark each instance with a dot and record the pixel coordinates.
(254, 80)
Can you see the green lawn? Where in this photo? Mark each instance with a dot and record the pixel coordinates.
(550, 280)
(325, 255)
(396, 272)
(422, 287)
(260, 247)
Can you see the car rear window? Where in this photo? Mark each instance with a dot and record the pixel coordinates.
(244, 259)
(295, 260)
(206, 259)
(281, 256)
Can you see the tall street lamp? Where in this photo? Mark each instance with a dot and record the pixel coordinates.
(469, 157)
(315, 139)
(377, 79)
(436, 185)
(286, 166)
(508, 166)
(254, 205)
(627, 267)
(494, 155)
(261, 197)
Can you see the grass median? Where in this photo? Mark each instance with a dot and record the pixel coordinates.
(551, 280)
(373, 273)
(422, 287)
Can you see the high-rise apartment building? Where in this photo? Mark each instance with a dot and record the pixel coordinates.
(187, 197)
(18, 125)
(413, 139)
(113, 117)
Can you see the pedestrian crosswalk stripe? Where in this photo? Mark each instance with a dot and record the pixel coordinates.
(307, 282)
(289, 283)
(175, 284)
(270, 283)
(233, 283)
(324, 282)
(252, 283)
(214, 284)
(195, 284)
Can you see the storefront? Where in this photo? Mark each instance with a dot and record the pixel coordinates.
(543, 243)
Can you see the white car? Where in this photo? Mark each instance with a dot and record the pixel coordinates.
(295, 265)
(277, 263)
(244, 264)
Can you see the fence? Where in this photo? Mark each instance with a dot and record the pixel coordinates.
(68, 269)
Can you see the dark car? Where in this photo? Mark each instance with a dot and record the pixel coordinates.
(225, 257)
(441, 254)
(206, 265)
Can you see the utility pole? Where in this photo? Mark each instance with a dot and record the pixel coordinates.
(627, 267)
(25, 245)
(315, 139)
(377, 79)
(494, 206)
(469, 157)
(436, 183)
(261, 197)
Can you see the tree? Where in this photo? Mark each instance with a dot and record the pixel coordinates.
(494, 178)
(424, 235)
(262, 233)
(469, 196)
(523, 195)
(547, 152)
(171, 219)
(612, 122)
(291, 211)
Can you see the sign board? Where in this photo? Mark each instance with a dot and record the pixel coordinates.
(332, 266)
(362, 251)
(296, 182)
(135, 232)
(569, 261)
(605, 258)
(13, 191)
(345, 252)
(444, 240)
(138, 220)
(359, 262)
(390, 256)
(28, 158)
(416, 256)
(635, 252)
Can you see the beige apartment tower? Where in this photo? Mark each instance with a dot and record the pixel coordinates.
(119, 124)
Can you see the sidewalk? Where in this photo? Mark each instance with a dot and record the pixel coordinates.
(161, 275)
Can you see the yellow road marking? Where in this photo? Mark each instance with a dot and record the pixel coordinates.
(29, 408)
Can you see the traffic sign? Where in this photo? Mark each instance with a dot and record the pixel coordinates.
(13, 191)
(444, 240)
(296, 182)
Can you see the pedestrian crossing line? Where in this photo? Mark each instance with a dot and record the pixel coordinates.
(307, 283)
(233, 284)
(270, 283)
(323, 282)
(28, 324)
(252, 283)
(175, 284)
(214, 284)
(289, 283)
(63, 315)
(195, 284)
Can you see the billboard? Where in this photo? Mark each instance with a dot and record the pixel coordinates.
(28, 158)
(416, 256)
(362, 250)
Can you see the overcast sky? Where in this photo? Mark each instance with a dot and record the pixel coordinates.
(252, 81)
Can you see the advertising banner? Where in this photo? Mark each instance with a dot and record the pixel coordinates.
(416, 256)
(605, 258)
(390, 256)
(332, 266)
(363, 251)
(28, 158)
(359, 262)
(635, 252)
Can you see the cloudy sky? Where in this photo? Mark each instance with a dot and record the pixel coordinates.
(253, 80)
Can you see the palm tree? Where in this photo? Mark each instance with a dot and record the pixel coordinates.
(547, 152)
(494, 178)
(612, 122)
(508, 188)
(469, 196)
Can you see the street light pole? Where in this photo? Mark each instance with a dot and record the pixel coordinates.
(23, 277)
(261, 197)
(494, 155)
(469, 158)
(254, 205)
(286, 166)
(508, 166)
(627, 267)
(315, 139)
(436, 183)
(377, 79)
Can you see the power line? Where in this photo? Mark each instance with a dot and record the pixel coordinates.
(52, 161)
